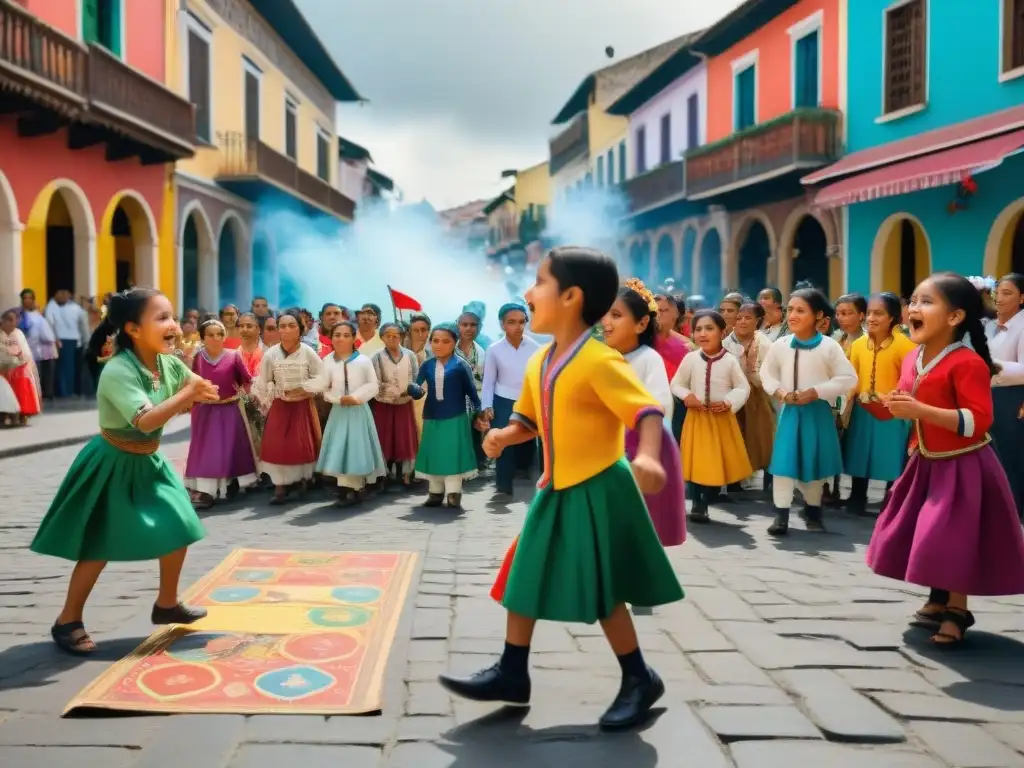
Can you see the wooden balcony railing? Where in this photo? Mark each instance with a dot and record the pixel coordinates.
(39, 61)
(804, 138)
(570, 144)
(654, 187)
(245, 158)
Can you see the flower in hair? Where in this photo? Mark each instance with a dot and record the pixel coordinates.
(637, 286)
(987, 283)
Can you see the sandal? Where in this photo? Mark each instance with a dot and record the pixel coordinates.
(928, 619)
(962, 618)
(63, 636)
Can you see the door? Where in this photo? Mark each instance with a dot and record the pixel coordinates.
(252, 106)
(91, 21)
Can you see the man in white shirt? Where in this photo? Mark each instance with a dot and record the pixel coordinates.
(368, 340)
(71, 325)
(504, 369)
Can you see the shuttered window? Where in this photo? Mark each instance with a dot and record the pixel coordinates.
(666, 138)
(807, 71)
(199, 82)
(101, 24)
(290, 129)
(745, 87)
(323, 156)
(622, 161)
(692, 121)
(252, 105)
(641, 150)
(906, 57)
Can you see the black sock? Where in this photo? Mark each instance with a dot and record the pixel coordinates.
(633, 664)
(515, 659)
(938, 596)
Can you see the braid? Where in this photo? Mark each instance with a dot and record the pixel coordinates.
(976, 333)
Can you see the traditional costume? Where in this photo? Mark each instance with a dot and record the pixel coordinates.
(672, 350)
(19, 370)
(417, 405)
(950, 522)
(806, 450)
(291, 435)
(393, 409)
(475, 359)
(221, 456)
(351, 451)
(757, 416)
(1006, 345)
(121, 500)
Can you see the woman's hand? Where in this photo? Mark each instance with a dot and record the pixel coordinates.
(781, 395)
(649, 474)
(692, 401)
(719, 407)
(904, 406)
(805, 396)
(493, 444)
(348, 400)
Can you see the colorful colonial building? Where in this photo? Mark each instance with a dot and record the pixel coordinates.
(935, 122)
(265, 91)
(88, 136)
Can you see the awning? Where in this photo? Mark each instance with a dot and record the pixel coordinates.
(950, 166)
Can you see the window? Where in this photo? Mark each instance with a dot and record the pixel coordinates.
(323, 154)
(622, 161)
(744, 73)
(805, 54)
(693, 121)
(589, 180)
(197, 62)
(291, 110)
(252, 75)
(101, 23)
(641, 150)
(611, 167)
(599, 172)
(666, 138)
(1013, 35)
(906, 57)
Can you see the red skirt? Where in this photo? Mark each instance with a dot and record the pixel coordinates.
(396, 428)
(24, 386)
(291, 436)
(498, 590)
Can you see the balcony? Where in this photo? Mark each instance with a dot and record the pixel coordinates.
(249, 167)
(654, 188)
(50, 81)
(794, 142)
(571, 144)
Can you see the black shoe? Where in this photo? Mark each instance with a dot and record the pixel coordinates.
(812, 515)
(491, 684)
(636, 697)
(454, 501)
(179, 614)
(780, 525)
(699, 512)
(346, 497)
(434, 500)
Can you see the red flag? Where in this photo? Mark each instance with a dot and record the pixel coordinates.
(404, 301)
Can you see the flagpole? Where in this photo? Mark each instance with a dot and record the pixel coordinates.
(394, 309)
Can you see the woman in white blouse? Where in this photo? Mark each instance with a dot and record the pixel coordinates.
(1006, 344)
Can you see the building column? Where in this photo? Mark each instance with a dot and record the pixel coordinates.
(209, 279)
(10, 267)
(784, 273)
(86, 264)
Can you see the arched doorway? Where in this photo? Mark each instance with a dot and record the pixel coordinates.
(10, 246)
(711, 266)
(127, 249)
(689, 246)
(638, 261)
(901, 256)
(57, 245)
(1004, 251)
(753, 259)
(227, 265)
(810, 251)
(665, 260)
(196, 255)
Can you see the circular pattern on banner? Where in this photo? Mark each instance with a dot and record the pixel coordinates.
(236, 594)
(345, 616)
(171, 682)
(320, 648)
(201, 647)
(358, 594)
(293, 683)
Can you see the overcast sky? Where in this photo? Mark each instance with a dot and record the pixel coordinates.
(460, 90)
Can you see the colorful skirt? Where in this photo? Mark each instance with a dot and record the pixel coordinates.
(447, 448)
(806, 443)
(23, 383)
(350, 445)
(667, 507)
(1007, 432)
(8, 400)
(874, 448)
(220, 449)
(585, 550)
(291, 441)
(396, 429)
(951, 524)
(757, 425)
(713, 452)
(118, 506)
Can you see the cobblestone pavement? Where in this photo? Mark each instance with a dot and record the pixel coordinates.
(783, 654)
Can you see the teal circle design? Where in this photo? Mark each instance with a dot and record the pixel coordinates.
(193, 646)
(356, 594)
(349, 616)
(253, 575)
(235, 594)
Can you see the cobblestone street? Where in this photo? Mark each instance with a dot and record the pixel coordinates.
(783, 654)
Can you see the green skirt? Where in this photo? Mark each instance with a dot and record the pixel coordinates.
(586, 549)
(446, 448)
(118, 506)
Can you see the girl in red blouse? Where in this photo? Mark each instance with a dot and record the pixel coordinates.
(950, 522)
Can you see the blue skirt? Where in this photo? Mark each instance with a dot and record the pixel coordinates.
(806, 446)
(873, 448)
(350, 445)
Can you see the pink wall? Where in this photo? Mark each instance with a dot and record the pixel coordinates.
(145, 36)
(62, 14)
(775, 67)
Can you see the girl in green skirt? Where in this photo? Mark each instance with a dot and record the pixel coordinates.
(121, 500)
(446, 456)
(588, 546)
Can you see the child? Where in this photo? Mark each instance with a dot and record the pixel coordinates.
(757, 416)
(629, 327)
(806, 372)
(728, 308)
(587, 546)
(393, 410)
(351, 450)
(221, 458)
(713, 387)
(121, 500)
(849, 315)
(950, 522)
(446, 456)
(875, 443)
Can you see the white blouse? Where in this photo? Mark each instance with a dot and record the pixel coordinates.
(395, 377)
(649, 367)
(712, 380)
(338, 378)
(825, 369)
(750, 360)
(1006, 345)
(280, 373)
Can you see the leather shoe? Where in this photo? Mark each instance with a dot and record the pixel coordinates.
(491, 684)
(636, 697)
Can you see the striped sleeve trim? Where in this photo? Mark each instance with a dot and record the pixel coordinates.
(649, 410)
(520, 419)
(965, 426)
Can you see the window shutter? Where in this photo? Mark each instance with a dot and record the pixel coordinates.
(692, 121)
(807, 71)
(199, 83)
(90, 21)
(252, 106)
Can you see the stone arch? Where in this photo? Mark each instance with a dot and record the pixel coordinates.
(197, 259)
(234, 270)
(688, 238)
(890, 268)
(36, 265)
(664, 256)
(10, 246)
(743, 225)
(785, 255)
(1004, 248)
(264, 261)
(138, 248)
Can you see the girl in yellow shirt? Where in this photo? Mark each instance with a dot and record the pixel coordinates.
(588, 546)
(875, 443)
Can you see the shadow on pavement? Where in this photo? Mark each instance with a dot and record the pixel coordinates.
(38, 664)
